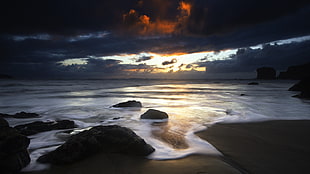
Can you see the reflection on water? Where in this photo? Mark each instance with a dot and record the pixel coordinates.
(189, 104)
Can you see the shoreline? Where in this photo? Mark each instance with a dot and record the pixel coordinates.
(280, 146)
(277, 146)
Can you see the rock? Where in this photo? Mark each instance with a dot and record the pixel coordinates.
(39, 126)
(304, 87)
(99, 139)
(3, 123)
(131, 103)
(253, 83)
(266, 73)
(25, 115)
(20, 115)
(298, 72)
(154, 114)
(13, 149)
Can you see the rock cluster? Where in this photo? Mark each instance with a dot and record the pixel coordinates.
(20, 115)
(298, 72)
(13, 149)
(40, 126)
(99, 139)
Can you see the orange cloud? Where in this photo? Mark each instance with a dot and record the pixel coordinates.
(144, 25)
(185, 7)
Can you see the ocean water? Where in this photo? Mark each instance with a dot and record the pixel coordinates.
(192, 105)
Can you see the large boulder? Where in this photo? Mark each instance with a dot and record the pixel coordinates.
(20, 115)
(154, 114)
(40, 126)
(130, 103)
(303, 86)
(13, 149)
(298, 72)
(3, 123)
(266, 73)
(99, 139)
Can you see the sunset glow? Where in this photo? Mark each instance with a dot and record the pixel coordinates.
(152, 38)
(143, 24)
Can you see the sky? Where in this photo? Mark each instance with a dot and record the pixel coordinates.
(166, 39)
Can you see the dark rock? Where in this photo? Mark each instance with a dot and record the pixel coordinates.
(154, 114)
(298, 72)
(304, 87)
(266, 73)
(25, 115)
(39, 126)
(20, 115)
(253, 83)
(99, 139)
(13, 150)
(131, 103)
(242, 94)
(3, 123)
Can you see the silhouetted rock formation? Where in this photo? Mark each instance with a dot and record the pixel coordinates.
(296, 72)
(266, 73)
(20, 115)
(131, 103)
(154, 114)
(13, 149)
(99, 139)
(39, 126)
(304, 87)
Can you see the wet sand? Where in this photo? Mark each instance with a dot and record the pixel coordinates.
(259, 148)
(264, 147)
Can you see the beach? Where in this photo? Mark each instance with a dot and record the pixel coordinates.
(258, 147)
(264, 147)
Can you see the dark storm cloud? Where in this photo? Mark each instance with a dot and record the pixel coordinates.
(57, 16)
(36, 35)
(248, 59)
(217, 16)
(72, 17)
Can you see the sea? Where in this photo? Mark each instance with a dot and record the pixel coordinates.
(192, 105)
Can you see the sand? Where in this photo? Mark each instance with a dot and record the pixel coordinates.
(259, 148)
(264, 147)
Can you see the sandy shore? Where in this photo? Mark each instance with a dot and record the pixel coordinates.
(259, 148)
(264, 147)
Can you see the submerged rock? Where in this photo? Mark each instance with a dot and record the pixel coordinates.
(20, 115)
(304, 87)
(266, 73)
(154, 114)
(130, 103)
(40, 126)
(13, 149)
(99, 139)
(253, 83)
